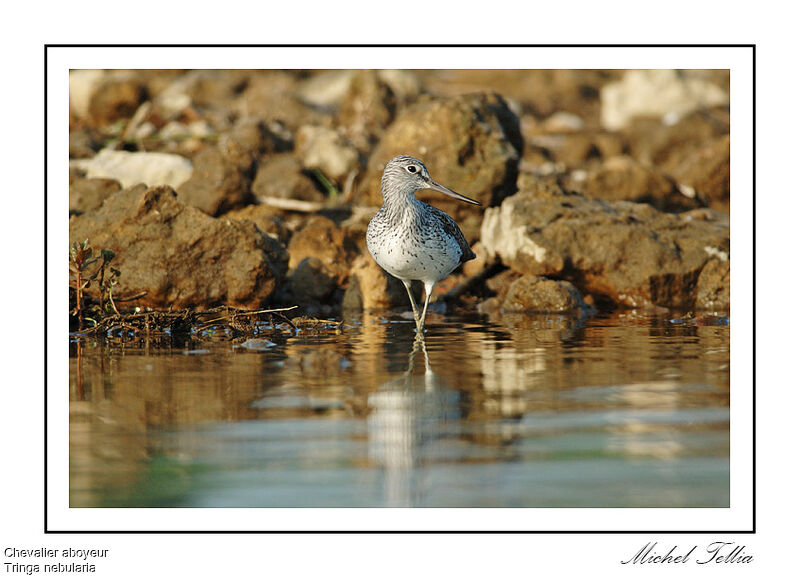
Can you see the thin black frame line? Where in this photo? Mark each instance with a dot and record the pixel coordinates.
(399, 45)
(754, 516)
(45, 289)
(651, 532)
(755, 445)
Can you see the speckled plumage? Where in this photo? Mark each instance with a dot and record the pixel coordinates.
(412, 240)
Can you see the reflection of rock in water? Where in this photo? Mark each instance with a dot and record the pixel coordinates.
(408, 411)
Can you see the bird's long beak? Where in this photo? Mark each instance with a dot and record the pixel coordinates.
(434, 186)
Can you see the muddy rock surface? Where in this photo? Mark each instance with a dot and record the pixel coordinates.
(177, 255)
(628, 253)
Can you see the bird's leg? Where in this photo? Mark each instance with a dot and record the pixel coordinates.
(425, 352)
(413, 302)
(428, 291)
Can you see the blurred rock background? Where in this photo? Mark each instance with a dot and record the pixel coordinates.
(248, 187)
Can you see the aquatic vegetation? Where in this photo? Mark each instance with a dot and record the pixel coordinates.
(86, 267)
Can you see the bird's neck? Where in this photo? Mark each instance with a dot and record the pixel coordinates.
(401, 201)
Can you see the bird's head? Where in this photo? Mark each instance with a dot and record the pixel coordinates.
(405, 175)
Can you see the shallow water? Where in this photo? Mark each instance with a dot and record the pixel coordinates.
(624, 409)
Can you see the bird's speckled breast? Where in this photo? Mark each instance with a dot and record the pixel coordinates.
(410, 246)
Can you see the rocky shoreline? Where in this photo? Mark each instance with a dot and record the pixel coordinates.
(248, 189)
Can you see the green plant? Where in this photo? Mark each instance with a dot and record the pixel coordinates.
(82, 274)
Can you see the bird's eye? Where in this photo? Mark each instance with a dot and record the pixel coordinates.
(411, 169)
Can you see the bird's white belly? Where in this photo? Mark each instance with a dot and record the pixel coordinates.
(410, 259)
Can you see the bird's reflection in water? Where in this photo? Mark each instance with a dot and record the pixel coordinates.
(410, 413)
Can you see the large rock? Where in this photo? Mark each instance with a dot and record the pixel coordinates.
(222, 179)
(627, 252)
(180, 256)
(470, 143)
(130, 169)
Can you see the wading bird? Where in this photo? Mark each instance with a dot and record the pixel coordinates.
(412, 240)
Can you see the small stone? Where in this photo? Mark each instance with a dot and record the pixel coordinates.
(563, 122)
(282, 176)
(533, 293)
(324, 149)
(150, 168)
(326, 89)
(222, 179)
